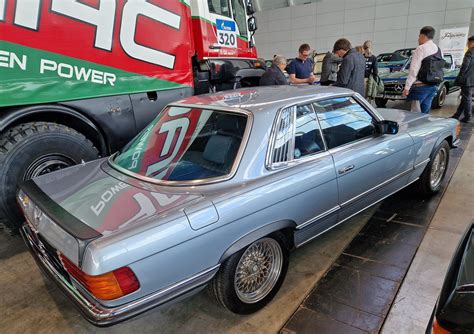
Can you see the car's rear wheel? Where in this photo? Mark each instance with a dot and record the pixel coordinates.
(440, 97)
(250, 278)
(380, 102)
(432, 177)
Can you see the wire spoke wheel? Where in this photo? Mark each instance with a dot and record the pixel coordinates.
(438, 167)
(258, 270)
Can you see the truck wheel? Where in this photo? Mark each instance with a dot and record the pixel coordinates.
(33, 149)
(432, 177)
(380, 102)
(250, 278)
(440, 98)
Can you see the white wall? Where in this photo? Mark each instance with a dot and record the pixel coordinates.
(390, 24)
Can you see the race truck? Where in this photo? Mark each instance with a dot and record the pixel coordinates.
(79, 79)
(394, 84)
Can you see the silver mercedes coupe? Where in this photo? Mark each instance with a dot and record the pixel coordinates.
(218, 189)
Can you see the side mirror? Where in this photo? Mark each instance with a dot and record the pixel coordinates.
(388, 127)
(252, 24)
(249, 7)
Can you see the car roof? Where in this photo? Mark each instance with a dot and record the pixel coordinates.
(262, 99)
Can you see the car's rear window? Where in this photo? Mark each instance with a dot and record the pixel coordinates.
(185, 144)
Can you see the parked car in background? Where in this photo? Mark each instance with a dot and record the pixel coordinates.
(407, 52)
(395, 82)
(454, 311)
(390, 62)
(218, 189)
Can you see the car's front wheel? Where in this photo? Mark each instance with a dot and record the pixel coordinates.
(250, 278)
(432, 178)
(380, 102)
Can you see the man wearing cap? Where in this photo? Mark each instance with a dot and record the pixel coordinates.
(465, 79)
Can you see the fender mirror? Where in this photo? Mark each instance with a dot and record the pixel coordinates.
(387, 127)
(252, 24)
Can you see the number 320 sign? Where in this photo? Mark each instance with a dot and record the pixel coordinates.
(226, 33)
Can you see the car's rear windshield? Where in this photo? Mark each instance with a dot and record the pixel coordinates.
(185, 144)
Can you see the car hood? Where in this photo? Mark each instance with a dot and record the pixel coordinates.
(108, 201)
(400, 116)
(400, 75)
(391, 63)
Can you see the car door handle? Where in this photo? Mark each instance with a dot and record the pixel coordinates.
(346, 169)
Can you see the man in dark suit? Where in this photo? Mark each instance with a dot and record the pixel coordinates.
(465, 79)
(352, 71)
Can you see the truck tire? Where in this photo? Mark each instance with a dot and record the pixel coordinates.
(440, 97)
(380, 102)
(33, 149)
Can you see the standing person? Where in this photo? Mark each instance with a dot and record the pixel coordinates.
(465, 79)
(301, 69)
(274, 75)
(371, 67)
(329, 69)
(352, 70)
(426, 71)
(370, 60)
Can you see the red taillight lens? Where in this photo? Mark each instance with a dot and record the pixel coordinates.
(437, 329)
(108, 286)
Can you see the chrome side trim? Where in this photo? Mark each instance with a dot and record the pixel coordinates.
(99, 314)
(229, 176)
(377, 187)
(318, 217)
(354, 214)
(418, 165)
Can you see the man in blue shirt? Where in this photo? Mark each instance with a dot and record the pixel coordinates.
(301, 68)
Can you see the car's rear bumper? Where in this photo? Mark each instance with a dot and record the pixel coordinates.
(99, 314)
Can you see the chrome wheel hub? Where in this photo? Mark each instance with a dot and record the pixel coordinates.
(258, 270)
(438, 167)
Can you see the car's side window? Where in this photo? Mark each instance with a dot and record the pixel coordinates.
(283, 136)
(343, 120)
(307, 133)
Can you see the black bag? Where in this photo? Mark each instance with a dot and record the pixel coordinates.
(431, 70)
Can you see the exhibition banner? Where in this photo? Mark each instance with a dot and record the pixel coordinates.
(453, 41)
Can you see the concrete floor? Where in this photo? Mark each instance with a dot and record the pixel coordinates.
(28, 304)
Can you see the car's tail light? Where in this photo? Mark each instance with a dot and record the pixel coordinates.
(108, 286)
(437, 329)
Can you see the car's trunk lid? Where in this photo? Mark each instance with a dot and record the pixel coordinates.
(85, 202)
